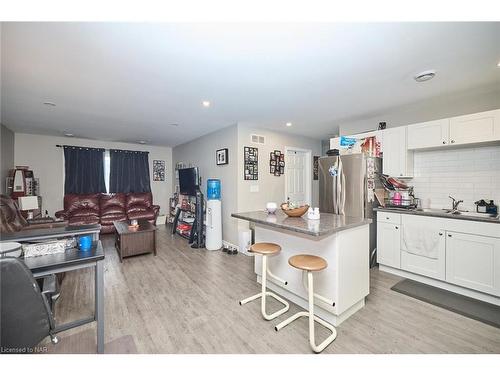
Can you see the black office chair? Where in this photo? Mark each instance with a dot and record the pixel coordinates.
(26, 318)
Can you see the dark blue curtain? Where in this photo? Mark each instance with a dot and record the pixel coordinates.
(84, 170)
(129, 172)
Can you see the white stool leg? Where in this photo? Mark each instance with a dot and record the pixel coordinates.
(265, 293)
(312, 341)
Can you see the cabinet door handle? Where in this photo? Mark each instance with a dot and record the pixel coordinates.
(386, 218)
(440, 233)
(452, 141)
(397, 227)
(444, 142)
(449, 235)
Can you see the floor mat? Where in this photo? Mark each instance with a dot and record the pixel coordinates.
(466, 306)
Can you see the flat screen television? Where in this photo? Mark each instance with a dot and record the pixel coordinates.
(188, 181)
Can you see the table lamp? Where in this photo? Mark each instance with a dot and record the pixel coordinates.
(28, 203)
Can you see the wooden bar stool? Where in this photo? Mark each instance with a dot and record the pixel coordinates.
(266, 249)
(309, 264)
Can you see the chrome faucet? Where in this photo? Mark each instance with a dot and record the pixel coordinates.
(455, 203)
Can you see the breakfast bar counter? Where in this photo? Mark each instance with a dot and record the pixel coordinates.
(342, 241)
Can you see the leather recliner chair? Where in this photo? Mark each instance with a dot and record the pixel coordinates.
(11, 219)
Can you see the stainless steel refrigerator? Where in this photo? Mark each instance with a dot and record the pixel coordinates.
(346, 187)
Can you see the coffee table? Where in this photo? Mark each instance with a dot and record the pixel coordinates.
(137, 241)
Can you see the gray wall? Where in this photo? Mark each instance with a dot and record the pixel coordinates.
(46, 160)
(271, 188)
(455, 104)
(7, 154)
(201, 153)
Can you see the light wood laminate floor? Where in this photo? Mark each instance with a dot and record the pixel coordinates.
(186, 301)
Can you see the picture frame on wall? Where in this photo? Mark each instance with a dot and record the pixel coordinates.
(315, 168)
(276, 163)
(158, 170)
(222, 156)
(251, 162)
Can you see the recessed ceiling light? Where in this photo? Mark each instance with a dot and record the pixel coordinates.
(142, 142)
(498, 64)
(173, 124)
(288, 124)
(69, 135)
(425, 76)
(205, 103)
(52, 104)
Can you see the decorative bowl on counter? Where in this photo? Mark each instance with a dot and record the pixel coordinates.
(294, 212)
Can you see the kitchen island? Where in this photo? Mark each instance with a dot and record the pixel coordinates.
(342, 241)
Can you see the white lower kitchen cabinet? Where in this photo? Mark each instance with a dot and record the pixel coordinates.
(473, 262)
(462, 256)
(388, 244)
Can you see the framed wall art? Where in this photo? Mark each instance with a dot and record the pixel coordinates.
(315, 168)
(276, 163)
(251, 163)
(222, 156)
(158, 170)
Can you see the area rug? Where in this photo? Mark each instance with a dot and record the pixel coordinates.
(466, 306)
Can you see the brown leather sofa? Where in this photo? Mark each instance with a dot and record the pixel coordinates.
(80, 209)
(11, 219)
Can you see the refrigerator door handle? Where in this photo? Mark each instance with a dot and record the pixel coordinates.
(343, 196)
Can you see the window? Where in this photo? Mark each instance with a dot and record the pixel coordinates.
(106, 169)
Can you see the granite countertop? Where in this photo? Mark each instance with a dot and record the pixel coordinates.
(440, 213)
(326, 225)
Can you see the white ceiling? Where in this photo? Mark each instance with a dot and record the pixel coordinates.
(130, 81)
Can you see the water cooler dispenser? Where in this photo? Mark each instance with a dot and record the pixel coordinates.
(213, 239)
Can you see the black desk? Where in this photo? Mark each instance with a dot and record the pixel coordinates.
(48, 233)
(71, 260)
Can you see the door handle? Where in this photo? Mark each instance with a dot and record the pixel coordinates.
(449, 235)
(444, 142)
(440, 233)
(397, 227)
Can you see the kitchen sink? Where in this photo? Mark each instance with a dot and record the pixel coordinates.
(474, 214)
(460, 213)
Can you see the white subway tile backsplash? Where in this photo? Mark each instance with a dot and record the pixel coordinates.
(468, 174)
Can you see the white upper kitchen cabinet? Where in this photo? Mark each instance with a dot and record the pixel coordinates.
(397, 160)
(428, 134)
(475, 128)
(473, 262)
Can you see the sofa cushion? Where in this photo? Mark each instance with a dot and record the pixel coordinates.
(139, 202)
(112, 204)
(83, 220)
(147, 214)
(110, 218)
(82, 205)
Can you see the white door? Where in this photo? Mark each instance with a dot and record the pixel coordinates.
(388, 244)
(478, 127)
(428, 134)
(296, 177)
(473, 262)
